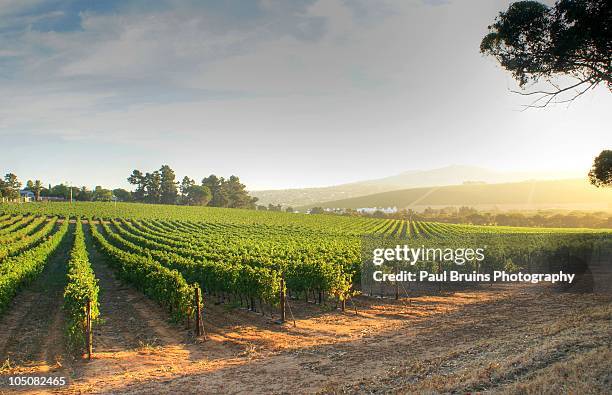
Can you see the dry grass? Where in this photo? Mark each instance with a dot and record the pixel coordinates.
(506, 339)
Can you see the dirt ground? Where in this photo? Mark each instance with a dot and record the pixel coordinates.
(500, 339)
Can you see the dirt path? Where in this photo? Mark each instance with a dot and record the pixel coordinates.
(485, 342)
(134, 333)
(31, 339)
(462, 342)
(130, 320)
(494, 339)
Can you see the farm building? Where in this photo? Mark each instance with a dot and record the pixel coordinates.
(27, 196)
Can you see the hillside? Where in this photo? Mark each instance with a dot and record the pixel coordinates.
(566, 194)
(449, 175)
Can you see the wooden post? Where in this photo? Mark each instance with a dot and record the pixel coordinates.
(89, 332)
(354, 305)
(198, 313)
(282, 299)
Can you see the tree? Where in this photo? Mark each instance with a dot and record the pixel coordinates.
(601, 172)
(122, 195)
(138, 179)
(37, 189)
(316, 210)
(60, 190)
(168, 186)
(198, 195)
(186, 184)
(535, 42)
(219, 195)
(102, 195)
(153, 187)
(237, 195)
(84, 195)
(289, 209)
(9, 187)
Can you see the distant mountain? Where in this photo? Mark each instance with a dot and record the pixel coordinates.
(576, 194)
(450, 175)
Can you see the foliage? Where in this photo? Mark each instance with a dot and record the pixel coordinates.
(17, 271)
(161, 187)
(20, 239)
(535, 42)
(198, 195)
(102, 195)
(165, 286)
(601, 172)
(81, 287)
(122, 195)
(244, 253)
(9, 187)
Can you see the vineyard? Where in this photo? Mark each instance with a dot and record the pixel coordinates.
(241, 255)
(185, 257)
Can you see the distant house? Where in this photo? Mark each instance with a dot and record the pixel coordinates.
(27, 196)
(335, 210)
(372, 210)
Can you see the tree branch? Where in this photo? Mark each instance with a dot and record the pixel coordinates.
(550, 96)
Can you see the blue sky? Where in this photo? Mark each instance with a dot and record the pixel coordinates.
(281, 93)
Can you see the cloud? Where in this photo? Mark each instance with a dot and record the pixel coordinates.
(264, 82)
(69, 59)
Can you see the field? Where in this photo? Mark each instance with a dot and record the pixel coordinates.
(145, 268)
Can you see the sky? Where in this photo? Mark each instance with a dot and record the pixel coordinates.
(281, 93)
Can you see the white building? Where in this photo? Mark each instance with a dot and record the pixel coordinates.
(372, 210)
(27, 196)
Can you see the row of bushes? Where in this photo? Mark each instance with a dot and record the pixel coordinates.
(16, 272)
(82, 286)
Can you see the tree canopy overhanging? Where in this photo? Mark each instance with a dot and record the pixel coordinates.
(538, 43)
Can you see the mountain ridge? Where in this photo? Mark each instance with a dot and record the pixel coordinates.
(576, 194)
(443, 176)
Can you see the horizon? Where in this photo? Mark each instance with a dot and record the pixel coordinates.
(541, 175)
(537, 175)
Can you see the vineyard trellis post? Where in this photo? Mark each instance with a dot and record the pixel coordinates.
(199, 329)
(354, 305)
(89, 338)
(282, 299)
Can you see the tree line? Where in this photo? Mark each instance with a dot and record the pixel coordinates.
(161, 187)
(543, 218)
(10, 188)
